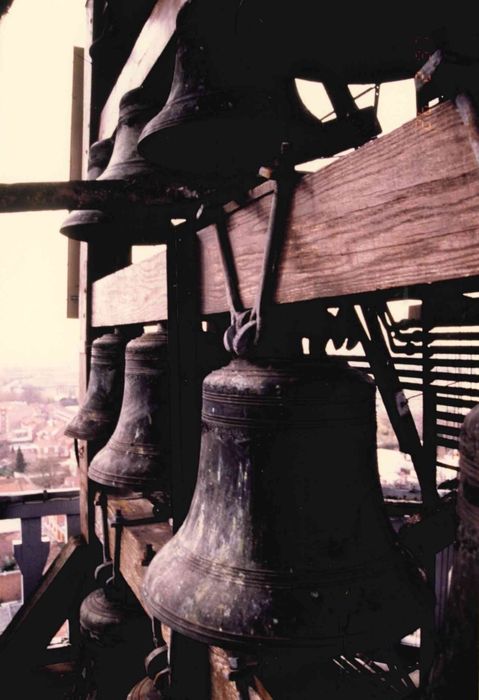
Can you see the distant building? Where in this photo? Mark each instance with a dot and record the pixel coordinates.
(21, 435)
(3, 421)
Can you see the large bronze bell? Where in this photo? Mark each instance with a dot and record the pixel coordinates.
(116, 636)
(225, 116)
(99, 412)
(355, 43)
(136, 457)
(286, 543)
(98, 157)
(137, 224)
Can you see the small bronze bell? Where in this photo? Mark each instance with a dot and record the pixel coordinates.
(137, 224)
(225, 118)
(286, 543)
(99, 412)
(98, 157)
(116, 636)
(136, 457)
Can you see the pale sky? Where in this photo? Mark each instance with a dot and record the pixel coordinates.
(36, 40)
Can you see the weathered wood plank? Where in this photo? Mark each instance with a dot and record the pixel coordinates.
(152, 40)
(401, 210)
(138, 291)
(134, 539)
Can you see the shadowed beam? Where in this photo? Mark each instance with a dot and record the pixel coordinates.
(103, 194)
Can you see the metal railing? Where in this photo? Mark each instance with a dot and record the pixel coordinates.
(30, 507)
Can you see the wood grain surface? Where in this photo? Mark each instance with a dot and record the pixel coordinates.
(155, 35)
(403, 209)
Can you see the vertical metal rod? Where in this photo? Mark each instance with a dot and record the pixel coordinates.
(189, 660)
(278, 220)
(105, 528)
(430, 448)
(117, 552)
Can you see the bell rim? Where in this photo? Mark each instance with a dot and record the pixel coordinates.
(241, 642)
(100, 427)
(131, 483)
(373, 634)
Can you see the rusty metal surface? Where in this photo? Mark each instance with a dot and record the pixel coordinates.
(286, 542)
(359, 47)
(136, 458)
(116, 636)
(138, 224)
(98, 157)
(225, 115)
(99, 412)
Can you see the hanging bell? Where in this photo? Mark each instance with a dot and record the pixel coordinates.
(136, 224)
(225, 117)
(156, 685)
(98, 157)
(286, 543)
(136, 457)
(97, 416)
(116, 635)
(358, 45)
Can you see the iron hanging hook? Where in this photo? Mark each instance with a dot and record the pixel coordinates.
(247, 325)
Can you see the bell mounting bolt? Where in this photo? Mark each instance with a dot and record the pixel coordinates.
(247, 325)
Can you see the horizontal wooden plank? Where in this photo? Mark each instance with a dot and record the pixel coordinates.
(401, 210)
(136, 292)
(152, 40)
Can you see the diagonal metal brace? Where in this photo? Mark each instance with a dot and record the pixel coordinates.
(396, 404)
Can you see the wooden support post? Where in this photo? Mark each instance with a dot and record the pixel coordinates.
(31, 554)
(189, 659)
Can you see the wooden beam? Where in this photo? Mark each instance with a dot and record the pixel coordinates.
(134, 539)
(34, 625)
(151, 42)
(94, 194)
(401, 210)
(138, 291)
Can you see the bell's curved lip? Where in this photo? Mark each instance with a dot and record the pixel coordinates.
(113, 468)
(213, 147)
(87, 225)
(245, 592)
(138, 226)
(91, 425)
